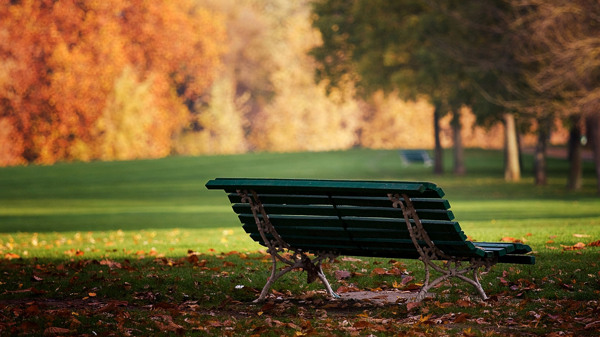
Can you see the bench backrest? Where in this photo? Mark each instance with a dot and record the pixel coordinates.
(349, 217)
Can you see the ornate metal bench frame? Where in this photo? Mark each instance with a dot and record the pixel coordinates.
(298, 259)
(276, 246)
(451, 267)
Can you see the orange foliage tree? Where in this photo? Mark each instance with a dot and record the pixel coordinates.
(62, 61)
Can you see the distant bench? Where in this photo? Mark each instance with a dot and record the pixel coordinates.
(315, 220)
(415, 156)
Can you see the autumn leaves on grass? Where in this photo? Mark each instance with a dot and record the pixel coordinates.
(577, 246)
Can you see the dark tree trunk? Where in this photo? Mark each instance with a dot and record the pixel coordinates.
(540, 153)
(520, 152)
(575, 164)
(459, 151)
(594, 138)
(438, 157)
(512, 171)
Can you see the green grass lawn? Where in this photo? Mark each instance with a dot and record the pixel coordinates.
(127, 230)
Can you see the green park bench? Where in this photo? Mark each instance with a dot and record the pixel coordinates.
(415, 156)
(304, 222)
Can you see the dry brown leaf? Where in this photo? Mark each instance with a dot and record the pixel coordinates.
(345, 289)
(107, 308)
(594, 244)
(110, 264)
(32, 310)
(464, 303)
(581, 235)
(361, 325)
(593, 325)
(10, 256)
(53, 331)
(510, 239)
(342, 274)
(412, 305)
(379, 271)
(577, 246)
(461, 318)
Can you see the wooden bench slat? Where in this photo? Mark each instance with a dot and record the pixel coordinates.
(326, 187)
(359, 234)
(344, 211)
(493, 245)
(358, 227)
(516, 248)
(517, 259)
(401, 247)
(313, 244)
(355, 233)
(362, 242)
(287, 199)
(497, 251)
(375, 242)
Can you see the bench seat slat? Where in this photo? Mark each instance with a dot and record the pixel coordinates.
(492, 245)
(312, 244)
(379, 242)
(296, 235)
(329, 210)
(320, 187)
(401, 248)
(517, 259)
(406, 248)
(378, 201)
(516, 248)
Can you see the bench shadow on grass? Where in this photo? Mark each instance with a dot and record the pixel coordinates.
(213, 278)
(150, 289)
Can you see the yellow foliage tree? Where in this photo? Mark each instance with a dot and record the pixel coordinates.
(220, 124)
(393, 123)
(62, 60)
(132, 125)
(301, 116)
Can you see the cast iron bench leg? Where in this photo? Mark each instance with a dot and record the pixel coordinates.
(428, 253)
(278, 245)
(303, 263)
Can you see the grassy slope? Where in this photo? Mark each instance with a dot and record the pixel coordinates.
(122, 211)
(47, 211)
(159, 195)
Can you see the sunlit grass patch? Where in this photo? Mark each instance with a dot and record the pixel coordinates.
(144, 249)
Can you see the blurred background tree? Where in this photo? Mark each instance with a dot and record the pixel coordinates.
(422, 49)
(124, 80)
(509, 61)
(561, 39)
(62, 61)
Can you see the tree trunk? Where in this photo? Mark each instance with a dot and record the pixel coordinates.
(575, 164)
(539, 164)
(459, 151)
(520, 152)
(511, 169)
(594, 138)
(438, 157)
